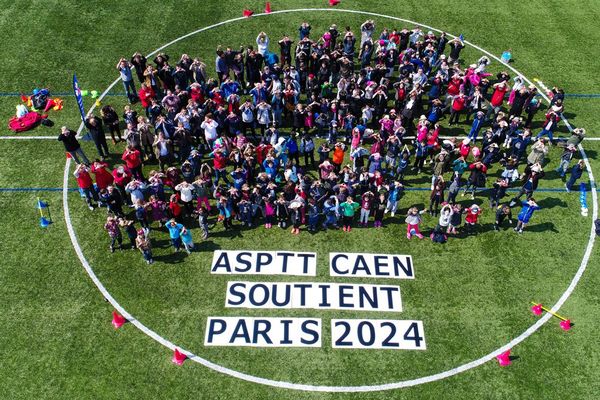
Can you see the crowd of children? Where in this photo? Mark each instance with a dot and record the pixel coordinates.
(243, 145)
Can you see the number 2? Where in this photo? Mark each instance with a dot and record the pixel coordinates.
(387, 342)
(340, 340)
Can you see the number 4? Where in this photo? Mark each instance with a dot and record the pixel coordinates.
(414, 329)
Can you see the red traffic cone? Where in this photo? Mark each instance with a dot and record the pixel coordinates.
(537, 309)
(334, 2)
(118, 320)
(68, 155)
(565, 324)
(504, 359)
(247, 13)
(178, 357)
(268, 7)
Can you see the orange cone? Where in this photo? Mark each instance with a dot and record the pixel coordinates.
(178, 357)
(118, 320)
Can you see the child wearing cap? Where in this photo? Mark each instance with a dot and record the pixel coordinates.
(473, 214)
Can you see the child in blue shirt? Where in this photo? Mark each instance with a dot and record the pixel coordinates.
(186, 238)
(175, 233)
(476, 127)
(525, 214)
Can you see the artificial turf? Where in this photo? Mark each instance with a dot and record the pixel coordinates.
(472, 293)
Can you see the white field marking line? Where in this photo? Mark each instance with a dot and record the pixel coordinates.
(289, 385)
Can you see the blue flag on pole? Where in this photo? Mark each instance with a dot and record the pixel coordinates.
(78, 97)
(42, 204)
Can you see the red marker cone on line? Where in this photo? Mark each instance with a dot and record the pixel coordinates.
(118, 320)
(268, 7)
(178, 357)
(537, 309)
(565, 324)
(248, 13)
(334, 2)
(504, 359)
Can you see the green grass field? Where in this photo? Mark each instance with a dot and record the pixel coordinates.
(472, 294)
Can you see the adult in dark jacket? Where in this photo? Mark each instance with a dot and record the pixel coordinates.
(139, 62)
(576, 173)
(96, 130)
(72, 146)
(531, 177)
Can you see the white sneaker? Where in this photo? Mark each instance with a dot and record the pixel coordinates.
(91, 208)
(392, 214)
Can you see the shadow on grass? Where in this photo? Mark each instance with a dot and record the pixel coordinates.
(545, 227)
(551, 202)
(173, 258)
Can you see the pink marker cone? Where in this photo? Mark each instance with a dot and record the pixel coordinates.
(268, 7)
(248, 13)
(178, 357)
(118, 320)
(334, 2)
(504, 359)
(565, 324)
(537, 309)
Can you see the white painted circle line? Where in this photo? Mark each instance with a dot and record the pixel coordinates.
(317, 388)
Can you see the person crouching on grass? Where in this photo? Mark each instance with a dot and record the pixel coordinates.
(525, 214)
(413, 219)
(348, 208)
